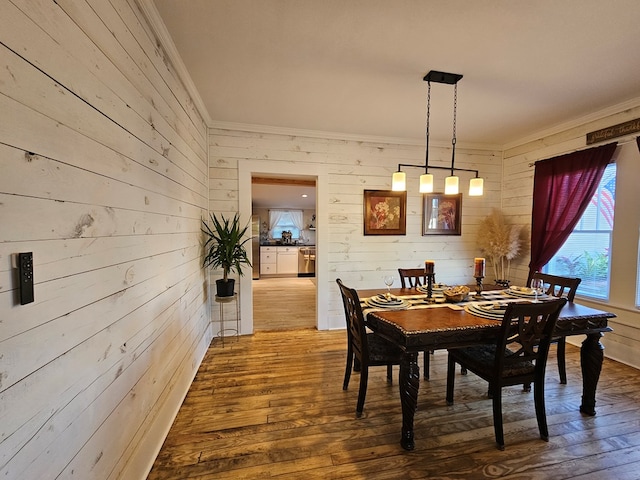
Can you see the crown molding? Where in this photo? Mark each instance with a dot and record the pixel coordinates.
(350, 137)
(166, 42)
(577, 122)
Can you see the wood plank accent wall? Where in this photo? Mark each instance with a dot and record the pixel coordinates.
(351, 167)
(104, 178)
(624, 342)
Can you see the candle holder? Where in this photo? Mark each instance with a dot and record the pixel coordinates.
(478, 295)
(430, 279)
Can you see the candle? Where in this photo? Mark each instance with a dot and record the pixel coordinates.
(478, 264)
(429, 267)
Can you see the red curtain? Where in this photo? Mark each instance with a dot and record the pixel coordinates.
(562, 189)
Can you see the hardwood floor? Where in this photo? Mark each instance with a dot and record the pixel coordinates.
(271, 405)
(284, 303)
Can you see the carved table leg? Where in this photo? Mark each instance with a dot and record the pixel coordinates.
(591, 356)
(409, 384)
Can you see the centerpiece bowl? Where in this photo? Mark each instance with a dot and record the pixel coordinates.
(456, 294)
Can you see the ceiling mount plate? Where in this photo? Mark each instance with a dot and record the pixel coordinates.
(442, 77)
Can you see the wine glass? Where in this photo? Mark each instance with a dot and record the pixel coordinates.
(388, 281)
(537, 286)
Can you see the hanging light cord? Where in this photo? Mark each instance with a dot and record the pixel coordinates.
(426, 155)
(453, 139)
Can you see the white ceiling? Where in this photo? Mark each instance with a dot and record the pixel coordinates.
(356, 66)
(283, 196)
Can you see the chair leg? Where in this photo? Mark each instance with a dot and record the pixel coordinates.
(356, 365)
(425, 373)
(541, 414)
(451, 375)
(362, 393)
(389, 373)
(497, 417)
(347, 371)
(463, 371)
(562, 366)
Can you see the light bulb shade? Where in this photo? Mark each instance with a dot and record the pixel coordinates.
(451, 185)
(426, 183)
(399, 182)
(476, 187)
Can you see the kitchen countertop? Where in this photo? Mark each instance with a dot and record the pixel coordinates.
(282, 245)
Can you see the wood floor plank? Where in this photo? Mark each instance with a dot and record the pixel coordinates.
(271, 405)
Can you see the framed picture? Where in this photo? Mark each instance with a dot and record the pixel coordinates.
(442, 214)
(385, 212)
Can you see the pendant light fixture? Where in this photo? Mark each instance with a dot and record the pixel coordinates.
(399, 179)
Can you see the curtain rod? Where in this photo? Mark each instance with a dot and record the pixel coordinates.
(532, 164)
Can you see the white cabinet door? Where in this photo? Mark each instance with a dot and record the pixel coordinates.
(287, 260)
(268, 260)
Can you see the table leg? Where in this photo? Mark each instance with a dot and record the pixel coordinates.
(591, 356)
(409, 385)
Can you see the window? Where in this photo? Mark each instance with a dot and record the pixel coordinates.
(585, 254)
(285, 221)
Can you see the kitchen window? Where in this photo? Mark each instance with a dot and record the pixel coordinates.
(285, 221)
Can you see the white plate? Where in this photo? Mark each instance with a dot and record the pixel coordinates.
(475, 309)
(492, 307)
(390, 306)
(522, 293)
(437, 287)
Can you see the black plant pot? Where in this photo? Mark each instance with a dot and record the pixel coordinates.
(225, 289)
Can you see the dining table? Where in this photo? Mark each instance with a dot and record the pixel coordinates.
(417, 320)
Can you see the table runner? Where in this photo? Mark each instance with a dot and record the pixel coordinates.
(416, 301)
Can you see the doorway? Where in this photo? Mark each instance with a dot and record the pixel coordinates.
(247, 168)
(283, 297)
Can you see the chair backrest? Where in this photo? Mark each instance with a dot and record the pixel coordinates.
(413, 277)
(526, 333)
(356, 331)
(559, 286)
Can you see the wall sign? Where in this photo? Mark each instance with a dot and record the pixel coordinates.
(620, 130)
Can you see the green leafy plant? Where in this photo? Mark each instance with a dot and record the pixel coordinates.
(225, 245)
(595, 265)
(568, 265)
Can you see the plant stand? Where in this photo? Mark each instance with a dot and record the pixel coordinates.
(222, 301)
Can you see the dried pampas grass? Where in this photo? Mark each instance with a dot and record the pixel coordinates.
(501, 242)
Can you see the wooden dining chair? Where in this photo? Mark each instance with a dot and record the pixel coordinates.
(561, 287)
(518, 357)
(411, 278)
(364, 349)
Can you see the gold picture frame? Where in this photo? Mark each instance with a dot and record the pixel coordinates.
(385, 212)
(442, 214)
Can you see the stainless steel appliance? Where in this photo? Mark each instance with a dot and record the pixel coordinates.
(255, 246)
(306, 261)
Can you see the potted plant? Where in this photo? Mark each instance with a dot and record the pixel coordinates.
(225, 248)
(501, 243)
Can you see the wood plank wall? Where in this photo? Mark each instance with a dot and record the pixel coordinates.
(352, 166)
(103, 162)
(624, 342)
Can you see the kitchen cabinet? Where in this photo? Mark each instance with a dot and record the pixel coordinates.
(268, 261)
(279, 260)
(287, 260)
